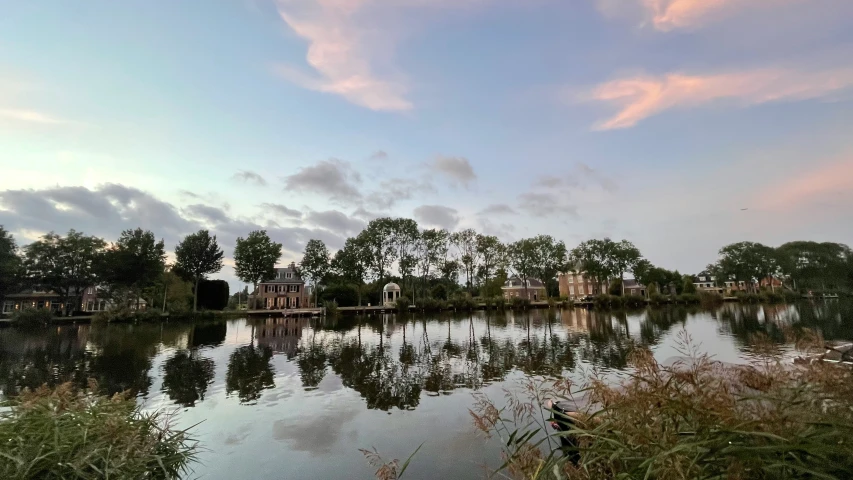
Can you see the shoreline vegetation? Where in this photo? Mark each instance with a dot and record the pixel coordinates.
(66, 433)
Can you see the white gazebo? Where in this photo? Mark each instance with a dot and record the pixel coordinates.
(390, 294)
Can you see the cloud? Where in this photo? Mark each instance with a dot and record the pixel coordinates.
(498, 209)
(206, 213)
(640, 97)
(437, 216)
(396, 189)
(281, 210)
(457, 169)
(829, 185)
(333, 178)
(335, 221)
(345, 44)
(247, 176)
(29, 116)
(545, 204)
(379, 155)
(666, 15)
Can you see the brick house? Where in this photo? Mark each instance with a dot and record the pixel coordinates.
(514, 287)
(94, 299)
(34, 298)
(633, 287)
(576, 285)
(286, 290)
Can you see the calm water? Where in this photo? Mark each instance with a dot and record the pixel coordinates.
(293, 399)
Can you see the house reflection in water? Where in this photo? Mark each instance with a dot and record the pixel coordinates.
(280, 334)
(577, 319)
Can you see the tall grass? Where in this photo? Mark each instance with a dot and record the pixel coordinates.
(697, 419)
(67, 434)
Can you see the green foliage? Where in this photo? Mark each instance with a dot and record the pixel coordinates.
(136, 261)
(745, 297)
(10, 263)
(817, 266)
(32, 317)
(463, 302)
(615, 287)
(605, 259)
(687, 298)
(519, 303)
(772, 297)
(66, 264)
(747, 262)
(350, 265)
(345, 295)
(402, 304)
(710, 298)
(634, 301)
(315, 263)
(658, 299)
(197, 256)
(432, 304)
(213, 294)
(694, 419)
(255, 257)
(331, 307)
(67, 434)
(608, 301)
(689, 287)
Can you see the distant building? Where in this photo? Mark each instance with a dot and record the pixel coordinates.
(286, 290)
(576, 285)
(95, 299)
(280, 334)
(633, 287)
(533, 291)
(705, 282)
(34, 298)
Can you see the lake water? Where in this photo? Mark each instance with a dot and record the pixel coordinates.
(297, 399)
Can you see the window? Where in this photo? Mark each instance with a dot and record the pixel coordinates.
(293, 288)
(288, 275)
(91, 291)
(572, 289)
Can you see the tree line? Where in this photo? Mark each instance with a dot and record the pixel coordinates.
(428, 263)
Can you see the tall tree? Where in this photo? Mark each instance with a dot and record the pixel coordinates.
(406, 236)
(465, 242)
(593, 257)
(255, 257)
(748, 262)
(197, 256)
(549, 258)
(315, 263)
(814, 264)
(523, 259)
(66, 264)
(642, 273)
(623, 257)
(492, 255)
(431, 251)
(10, 262)
(377, 240)
(351, 264)
(135, 262)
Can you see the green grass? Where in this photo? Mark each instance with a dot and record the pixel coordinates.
(66, 434)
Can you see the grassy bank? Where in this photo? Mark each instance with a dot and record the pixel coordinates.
(67, 434)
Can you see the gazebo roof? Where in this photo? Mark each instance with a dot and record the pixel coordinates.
(391, 287)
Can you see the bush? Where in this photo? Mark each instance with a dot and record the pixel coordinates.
(635, 301)
(500, 303)
(213, 294)
(687, 298)
(432, 304)
(402, 304)
(772, 297)
(748, 297)
(32, 317)
(658, 299)
(608, 301)
(63, 433)
(463, 302)
(519, 303)
(790, 295)
(331, 307)
(710, 298)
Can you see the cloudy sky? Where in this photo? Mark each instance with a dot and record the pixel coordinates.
(652, 120)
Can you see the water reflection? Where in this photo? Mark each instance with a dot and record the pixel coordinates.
(390, 362)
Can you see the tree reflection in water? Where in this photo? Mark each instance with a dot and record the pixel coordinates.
(186, 376)
(249, 372)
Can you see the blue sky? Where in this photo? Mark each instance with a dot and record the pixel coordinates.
(651, 120)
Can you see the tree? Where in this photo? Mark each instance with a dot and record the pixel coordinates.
(136, 261)
(315, 263)
(66, 265)
(197, 256)
(350, 263)
(405, 237)
(465, 242)
(522, 260)
(748, 262)
(492, 255)
(213, 294)
(642, 273)
(379, 247)
(594, 258)
(431, 251)
(255, 257)
(10, 262)
(623, 258)
(549, 259)
(814, 265)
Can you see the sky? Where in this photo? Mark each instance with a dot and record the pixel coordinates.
(680, 125)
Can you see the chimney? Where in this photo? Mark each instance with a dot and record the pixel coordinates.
(293, 265)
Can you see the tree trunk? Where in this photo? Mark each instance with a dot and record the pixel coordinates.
(195, 295)
(622, 282)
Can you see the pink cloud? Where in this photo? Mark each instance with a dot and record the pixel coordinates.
(640, 97)
(820, 184)
(668, 15)
(351, 45)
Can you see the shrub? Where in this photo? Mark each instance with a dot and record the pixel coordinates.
(635, 301)
(658, 299)
(608, 301)
(463, 302)
(519, 303)
(402, 304)
(432, 304)
(772, 297)
(748, 297)
(32, 317)
(500, 303)
(687, 298)
(710, 298)
(63, 433)
(790, 295)
(331, 307)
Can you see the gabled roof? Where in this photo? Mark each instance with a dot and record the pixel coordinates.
(280, 276)
(632, 283)
(515, 282)
(30, 293)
